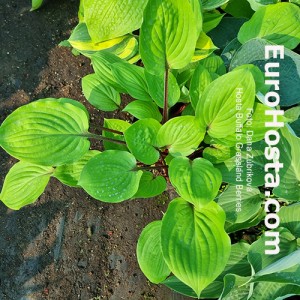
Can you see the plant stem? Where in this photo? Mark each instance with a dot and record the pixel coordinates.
(103, 138)
(166, 95)
(111, 130)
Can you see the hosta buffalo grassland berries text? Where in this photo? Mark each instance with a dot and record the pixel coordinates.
(194, 71)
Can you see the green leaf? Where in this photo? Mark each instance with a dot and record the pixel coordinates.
(100, 95)
(102, 62)
(168, 35)
(278, 23)
(219, 108)
(239, 8)
(204, 47)
(236, 172)
(213, 290)
(24, 183)
(197, 10)
(125, 46)
(200, 81)
(178, 286)
(257, 4)
(196, 181)
(256, 220)
(240, 203)
(237, 288)
(149, 253)
(214, 64)
(296, 127)
(156, 89)
(118, 125)
(112, 18)
(141, 139)
(46, 132)
(295, 1)
(35, 4)
(254, 128)
(110, 176)
(194, 243)
(253, 52)
(70, 174)
(218, 153)
(282, 265)
(150, 186)
(237, 262)
(258, 76)
(132, 79)
(270, 290)
(289, 218)
(211, 20)
(260, 260)
(226, 31)
(66, 100)
(143, 110)
(181, 135)
(212, 4)
(293, 113)
(289, 145)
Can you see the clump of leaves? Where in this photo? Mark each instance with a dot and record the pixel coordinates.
(183, 130)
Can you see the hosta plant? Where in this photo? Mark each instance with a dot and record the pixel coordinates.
(186, 101)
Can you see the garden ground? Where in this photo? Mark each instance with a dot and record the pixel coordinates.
(66, 245)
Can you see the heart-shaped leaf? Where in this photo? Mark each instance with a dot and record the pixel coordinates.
(102, 62)
(46, 132)
(278, 23)
(111, 176)
(219, 108)
(200, 81)
(218, 153)
(214, 64)
(108, 19)
(196, 181)
(168, 35)
(194, 243)
(100, 95)
(70, 174)
(156, 89)
(24, 183)
(150, 186)
(289, 218)
(181, 135)
(149, 253)
(240, 203)
(143, 110)
(132, 79)
(235, 170)
(141, 139)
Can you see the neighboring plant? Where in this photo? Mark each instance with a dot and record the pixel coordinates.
(35, 4)
(184, 132)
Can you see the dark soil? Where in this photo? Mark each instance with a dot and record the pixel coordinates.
(66, 245)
